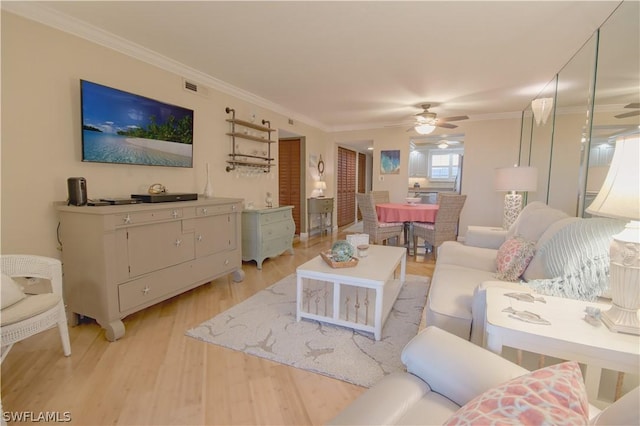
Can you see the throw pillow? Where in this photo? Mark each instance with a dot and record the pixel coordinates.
(11, 292)
(553, 395)
(513, 257)
(576, 260)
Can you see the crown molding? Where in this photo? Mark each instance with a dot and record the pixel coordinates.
(52, 18)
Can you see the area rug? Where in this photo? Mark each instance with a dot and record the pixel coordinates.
(265, 326)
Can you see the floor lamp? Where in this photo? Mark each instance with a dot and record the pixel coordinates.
(514, 180)
(619, 198)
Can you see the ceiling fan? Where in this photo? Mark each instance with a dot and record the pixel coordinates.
(635, 105)
(427, 121)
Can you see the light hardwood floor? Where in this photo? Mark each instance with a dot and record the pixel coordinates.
(156, 375)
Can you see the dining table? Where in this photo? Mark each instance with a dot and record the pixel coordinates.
(407, 213)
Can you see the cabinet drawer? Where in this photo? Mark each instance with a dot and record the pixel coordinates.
(134, 218)
(214, 210)
(318, 205)
(278, 230)
(277, 216)
(220, 263)
(276, 246)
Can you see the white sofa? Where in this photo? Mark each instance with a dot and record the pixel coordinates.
(565, 247)
(444, 372)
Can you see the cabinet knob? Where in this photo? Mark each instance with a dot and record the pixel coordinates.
(174, 214)
(204, 210)
(233, 207)
(178, 242)
(127, 219)
(226, 262)
(199, 238)
(146, 290)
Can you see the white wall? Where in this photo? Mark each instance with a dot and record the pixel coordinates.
(41, 139)
(488, 144)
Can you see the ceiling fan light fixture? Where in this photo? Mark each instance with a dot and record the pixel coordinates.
(443, 145)
(424, 128)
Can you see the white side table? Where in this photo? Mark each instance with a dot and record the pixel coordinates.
(568, 337)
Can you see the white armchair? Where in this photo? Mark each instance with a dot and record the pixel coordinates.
(24, 315)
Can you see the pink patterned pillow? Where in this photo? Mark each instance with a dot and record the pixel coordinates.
(513, 258)
(553, 395)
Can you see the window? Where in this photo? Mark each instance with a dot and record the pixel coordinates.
(444, 164)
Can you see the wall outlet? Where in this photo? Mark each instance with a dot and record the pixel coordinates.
(381, 178)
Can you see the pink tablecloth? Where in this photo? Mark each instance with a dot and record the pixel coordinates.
(392, 212)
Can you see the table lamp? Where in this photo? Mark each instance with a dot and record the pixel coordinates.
(321, 186)
(619, 198)
(513, 179)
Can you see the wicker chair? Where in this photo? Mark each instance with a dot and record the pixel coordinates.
(380, 197)
(379, 232)
(31, 314)
(445, 228)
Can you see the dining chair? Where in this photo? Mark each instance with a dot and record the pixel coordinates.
(23, 315)
(380, 197)
(379, 232)
(445, 227)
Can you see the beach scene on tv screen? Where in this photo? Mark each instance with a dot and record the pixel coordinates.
(120, 127)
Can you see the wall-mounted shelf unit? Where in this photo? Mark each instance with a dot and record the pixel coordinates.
(250, 156)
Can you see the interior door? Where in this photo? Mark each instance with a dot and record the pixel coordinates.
(362, 177)
(289, 168)
(346, 198)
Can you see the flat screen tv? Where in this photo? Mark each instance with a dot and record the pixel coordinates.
(120, 127)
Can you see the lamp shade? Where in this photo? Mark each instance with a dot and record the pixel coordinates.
(619, 196)
(542, 109)
(321, 185)
(516, 179)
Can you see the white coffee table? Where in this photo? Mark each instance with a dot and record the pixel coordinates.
(360, 297)
(568, 337)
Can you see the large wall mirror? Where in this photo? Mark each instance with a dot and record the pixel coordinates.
(590, 104)
(617, 89)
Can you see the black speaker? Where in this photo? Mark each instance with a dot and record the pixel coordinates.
(77, 188)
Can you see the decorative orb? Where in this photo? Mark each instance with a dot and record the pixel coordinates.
(342, 251)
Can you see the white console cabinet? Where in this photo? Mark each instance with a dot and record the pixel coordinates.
(120, 259)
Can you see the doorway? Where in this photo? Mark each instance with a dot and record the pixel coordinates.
(289, 176)
(346, 196)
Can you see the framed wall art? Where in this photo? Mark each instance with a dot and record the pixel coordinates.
(390, 162)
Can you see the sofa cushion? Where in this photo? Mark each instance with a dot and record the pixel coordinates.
(11, 291)
(513, 257)
(456, 253)
(554, 395)
(450, 298)
(536, 269)
(394, 397)
(28, 307)
(533, 220)
(576, 273)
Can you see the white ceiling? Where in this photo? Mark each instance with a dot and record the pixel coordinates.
(347, 65)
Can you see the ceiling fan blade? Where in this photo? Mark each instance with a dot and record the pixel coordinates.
(628, 114)
(446, 125)
(456, 118)
(633, 105)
